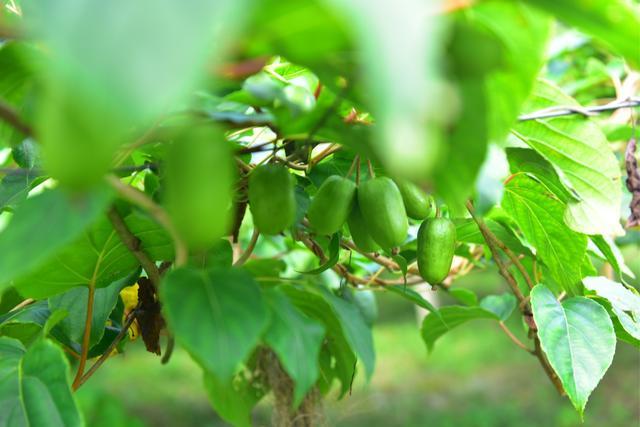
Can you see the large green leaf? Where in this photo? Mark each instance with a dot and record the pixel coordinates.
(491, 102)
(11, 413)
(578, 338)
(539, 214)
(356, 330)
(166, 48)
(399, 46)
(234, 399)
(338, 344)
(614, 22)
(44, 224)
(296, 339)
(582, 158)
(98, 258)
(434, 326)
(44, 388)
(524, 33)
(217, 315)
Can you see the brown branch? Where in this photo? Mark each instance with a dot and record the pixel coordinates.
(11, 116)
(504, 272)
(633, 183)
(137, 197)
(523, 305)
(132, 243)
(548, 369)
(86, 338)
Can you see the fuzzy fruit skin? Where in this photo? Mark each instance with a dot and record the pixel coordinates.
(331, 205)
(359, 232)
(436, 246)
(383, 211)
(271, 198)
(419, 205)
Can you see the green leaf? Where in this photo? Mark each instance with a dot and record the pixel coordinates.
(500, 305)
(578, 338)
(28, 241)
(625, 304)
(465, 296)
(355, 328)
(614, 22)
(25, 324)
(223, 305)
(219, 255)
(582, 158)
(529, 161)
(86, 78)
(75, 303)
(395, 41)
(14, 188)
(296, 339)
(611, 253)
(433, 326)
(97, 257)
(524, 32)
(234, 399)
(334, 256)
(307, 300)
(539, 214)
(11, 413)
(45, 389)
(414, 297)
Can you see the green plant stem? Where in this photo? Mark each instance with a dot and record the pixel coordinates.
(370, 167)
(249, 250)
(137, 197)
(354, 163)
(86, 338)
(132, 243)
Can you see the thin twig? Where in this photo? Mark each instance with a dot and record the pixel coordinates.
(499, 243)
(86, 338)
(132, 243)
(247, 252)
(11, 116)
(504, 272)
(137, 197)
(109, 350)
(513, 338)
(23, 304)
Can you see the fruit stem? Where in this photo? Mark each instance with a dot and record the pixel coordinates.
(370, 166)
(356, 160)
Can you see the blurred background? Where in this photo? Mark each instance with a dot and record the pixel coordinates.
(474, 377)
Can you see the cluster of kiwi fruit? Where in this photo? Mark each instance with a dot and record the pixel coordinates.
(377, 212)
